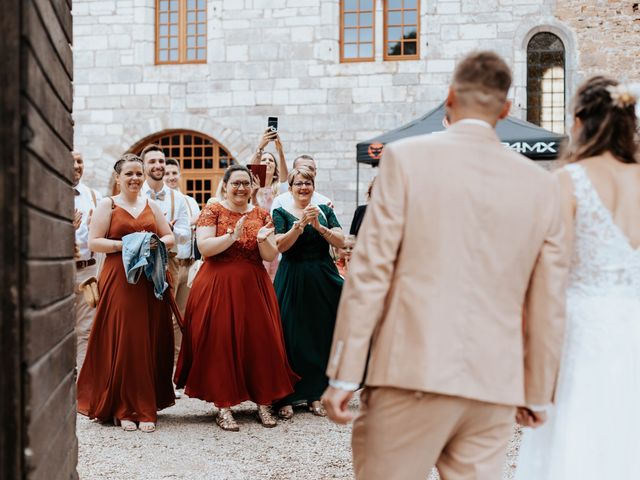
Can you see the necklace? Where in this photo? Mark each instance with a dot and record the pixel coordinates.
(133, 207)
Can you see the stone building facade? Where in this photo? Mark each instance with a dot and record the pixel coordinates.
(282, 58)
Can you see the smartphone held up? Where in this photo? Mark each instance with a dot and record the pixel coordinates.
(272, 124)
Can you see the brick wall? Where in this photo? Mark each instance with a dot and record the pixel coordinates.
(37, 269)
(607, 35)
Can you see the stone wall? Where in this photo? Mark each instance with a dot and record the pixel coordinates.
(280, 58)
(607, 35)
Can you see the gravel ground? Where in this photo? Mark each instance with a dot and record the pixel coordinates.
(189, 445)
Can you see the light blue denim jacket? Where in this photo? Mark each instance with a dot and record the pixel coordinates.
(138, 256)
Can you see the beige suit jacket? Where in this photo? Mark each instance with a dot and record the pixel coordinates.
(463, 240)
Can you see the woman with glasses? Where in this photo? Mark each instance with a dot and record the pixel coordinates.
(308, 287)
(232, 349)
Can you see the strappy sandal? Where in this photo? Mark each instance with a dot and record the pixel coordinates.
(317, 409)
(126, 425)
(225, 420)
(286, 412)
(147, 427)
(265, 416)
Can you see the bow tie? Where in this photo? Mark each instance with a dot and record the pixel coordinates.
(157, 196)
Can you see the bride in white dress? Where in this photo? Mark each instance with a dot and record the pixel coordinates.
(593, 431)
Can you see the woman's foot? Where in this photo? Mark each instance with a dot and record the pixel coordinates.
(286, 412)
(266, 416)
(126, 425)
(147, 427)
(317, 409)
(225, 420)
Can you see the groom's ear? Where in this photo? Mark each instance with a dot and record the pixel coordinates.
(505, 110)
(451, 98)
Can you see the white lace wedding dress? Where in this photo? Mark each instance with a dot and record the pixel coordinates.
(594, 429)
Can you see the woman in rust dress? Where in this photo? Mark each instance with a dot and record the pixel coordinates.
(126, 376)
(233, 348)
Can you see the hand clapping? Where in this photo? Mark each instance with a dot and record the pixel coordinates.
(312, 213)
(77, 219)
(237, 231)
(265, 231)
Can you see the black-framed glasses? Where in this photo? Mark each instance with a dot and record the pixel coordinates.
(303, 184)
(237, 185)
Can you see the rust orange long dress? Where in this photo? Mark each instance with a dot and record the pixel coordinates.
(127, 371)
(233, 347)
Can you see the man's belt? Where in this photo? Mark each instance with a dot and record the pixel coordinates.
(80, 264)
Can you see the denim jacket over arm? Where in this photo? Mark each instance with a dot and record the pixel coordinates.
(137, 257)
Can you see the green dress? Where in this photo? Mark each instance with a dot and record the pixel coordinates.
(308, 288)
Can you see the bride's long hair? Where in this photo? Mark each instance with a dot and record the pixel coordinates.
(606, 110)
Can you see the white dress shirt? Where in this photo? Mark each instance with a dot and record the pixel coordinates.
(185, 250)
(285, 200)
(83, 201)
(475, 121)
(182, 228)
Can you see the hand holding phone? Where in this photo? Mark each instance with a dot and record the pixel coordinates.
(272, 123)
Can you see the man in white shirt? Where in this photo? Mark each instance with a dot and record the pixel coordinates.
(85, 201)
(185, 257)
(174, 207)
(285, 199)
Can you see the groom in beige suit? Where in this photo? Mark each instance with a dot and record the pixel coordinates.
(454, 303)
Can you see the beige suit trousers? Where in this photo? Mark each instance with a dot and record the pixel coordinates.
(84, 315)
(401, 434)
(180, 274)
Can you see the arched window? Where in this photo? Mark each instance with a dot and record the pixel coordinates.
(546, 81)
(202, 160)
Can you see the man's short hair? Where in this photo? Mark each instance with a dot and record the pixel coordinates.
(172, 161)
(304, 156)
(152, 147)
(482, 80)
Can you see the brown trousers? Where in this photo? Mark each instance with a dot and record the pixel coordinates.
(179, 273)
(84, 314)
(401, 434)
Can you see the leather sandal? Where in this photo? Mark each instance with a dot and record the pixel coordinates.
(286, 412)
(225, 420)
(126, 425)
(265, 416)
(147, 427)
(317, 409)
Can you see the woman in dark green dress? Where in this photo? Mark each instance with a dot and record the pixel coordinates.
(308, 288)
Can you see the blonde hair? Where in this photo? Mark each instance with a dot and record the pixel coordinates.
(304, 173)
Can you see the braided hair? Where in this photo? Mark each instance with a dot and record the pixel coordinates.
(127, 157)
(607, 114)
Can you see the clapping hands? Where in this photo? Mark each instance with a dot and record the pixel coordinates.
(311, 216)
(265, 231)
(77, 219)
(237, 231)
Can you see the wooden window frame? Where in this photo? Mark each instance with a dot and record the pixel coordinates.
(385, 28)
(182, 35)
(536, 115)
(373, 33)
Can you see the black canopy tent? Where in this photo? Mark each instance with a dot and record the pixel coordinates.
(526, 138)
